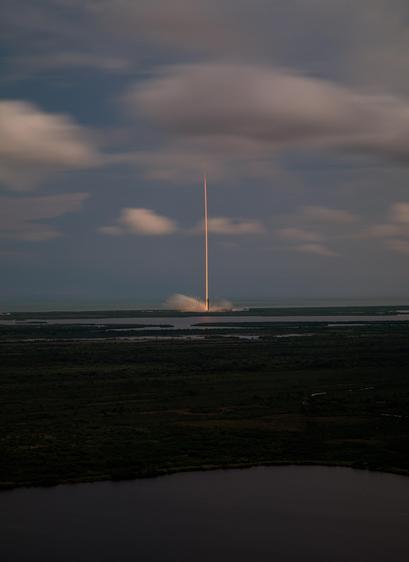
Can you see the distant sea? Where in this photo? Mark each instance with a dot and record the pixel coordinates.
(34, 305)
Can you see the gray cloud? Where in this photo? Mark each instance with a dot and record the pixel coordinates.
(234, 121)
(193, 25)
(34, 144)
(315, 248)
(399, 212)
(398, 245)
(364, 42)
(222, 159)
(321, 214)
(147, 222)
(113, 230)
(310, 228)
(23, 218)
(380, 231)
(234, 227)
(295, 233)
(393, 235)
(272, 109)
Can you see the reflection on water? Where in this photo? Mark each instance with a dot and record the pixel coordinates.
(264, 514)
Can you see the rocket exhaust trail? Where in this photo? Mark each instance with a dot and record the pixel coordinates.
(193, 304)
(206, 247)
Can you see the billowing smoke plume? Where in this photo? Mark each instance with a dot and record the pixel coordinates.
(185, 303)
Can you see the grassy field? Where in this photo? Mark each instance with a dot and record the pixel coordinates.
(77, 410)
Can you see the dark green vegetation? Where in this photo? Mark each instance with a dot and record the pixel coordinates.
(87, 410)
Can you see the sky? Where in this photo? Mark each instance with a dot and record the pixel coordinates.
(112, 110)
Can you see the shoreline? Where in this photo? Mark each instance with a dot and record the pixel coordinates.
(395, 471)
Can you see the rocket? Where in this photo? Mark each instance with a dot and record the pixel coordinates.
(206, 234)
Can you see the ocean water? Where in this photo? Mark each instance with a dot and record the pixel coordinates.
(44, 305)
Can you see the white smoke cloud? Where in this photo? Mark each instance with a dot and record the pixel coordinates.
(184, 303)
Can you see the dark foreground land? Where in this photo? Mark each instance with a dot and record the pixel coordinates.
(78, 410)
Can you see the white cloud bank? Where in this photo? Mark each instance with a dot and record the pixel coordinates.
(146, 222)
(34, 144)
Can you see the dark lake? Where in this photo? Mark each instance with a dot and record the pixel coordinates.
(260, 514)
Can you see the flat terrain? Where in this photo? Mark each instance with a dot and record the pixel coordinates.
(75, 409)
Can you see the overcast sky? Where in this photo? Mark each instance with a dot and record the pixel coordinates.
(111, 110)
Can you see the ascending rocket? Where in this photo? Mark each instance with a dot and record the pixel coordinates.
(206, 247)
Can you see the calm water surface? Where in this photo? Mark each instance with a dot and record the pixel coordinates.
(184, 323)
(278, 514)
